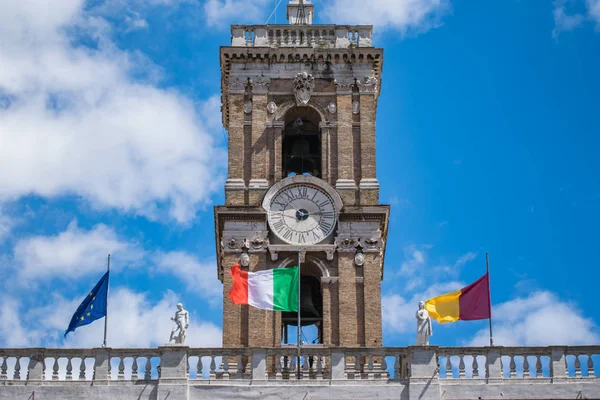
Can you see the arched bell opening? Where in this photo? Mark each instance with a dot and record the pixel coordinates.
(301, 145)
(311, 310)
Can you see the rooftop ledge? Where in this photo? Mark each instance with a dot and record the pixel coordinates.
(315, 36)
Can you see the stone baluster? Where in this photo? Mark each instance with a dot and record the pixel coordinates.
(357, 366)
(134, 369)
(461, 367)
(538, 366)
(121, 371)
(319, 374)
(199, 368)
(55, 369)
(512, 367)
(239, 368)
(17, 370)
(225, 367)
(82, 369)
(213, 367)
(397, 374)
(384, 374)
(475, 367)
(69, 375)
(148, 369)
(448, 367)
(278, 374)
(526, 373)
(590, 365)
(305, 368)
(3, 369)
(577, 366)
(370, 372)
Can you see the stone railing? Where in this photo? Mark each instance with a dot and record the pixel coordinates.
(180, 372)
(317, 36)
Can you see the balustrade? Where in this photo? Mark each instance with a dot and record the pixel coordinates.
(388, 364)
(316, 36)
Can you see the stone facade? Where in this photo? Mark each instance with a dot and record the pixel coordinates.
(335, 86)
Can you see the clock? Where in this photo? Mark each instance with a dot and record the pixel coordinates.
(302, 214)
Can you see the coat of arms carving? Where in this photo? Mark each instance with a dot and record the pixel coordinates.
(303, 87)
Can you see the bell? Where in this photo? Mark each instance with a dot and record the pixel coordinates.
(311, 303)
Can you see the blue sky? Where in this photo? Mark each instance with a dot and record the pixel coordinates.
(111, 141)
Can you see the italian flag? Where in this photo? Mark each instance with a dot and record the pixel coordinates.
(274, 289)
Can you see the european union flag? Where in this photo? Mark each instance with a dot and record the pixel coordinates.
(93, 306)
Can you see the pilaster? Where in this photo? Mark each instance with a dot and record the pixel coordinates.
(348, 331)
(235, 186)
(345, 184)
(258, 184)
(369, 185)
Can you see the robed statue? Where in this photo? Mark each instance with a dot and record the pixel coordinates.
(423, 325)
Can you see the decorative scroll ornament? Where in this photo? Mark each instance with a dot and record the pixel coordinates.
(247, 106)
(303, 88)
(258, 243)
(272, 107)
(359, 259)
(346, 244)
(331, 107)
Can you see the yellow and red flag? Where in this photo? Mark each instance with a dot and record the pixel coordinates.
(469, 303)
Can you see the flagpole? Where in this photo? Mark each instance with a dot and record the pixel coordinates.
(487, 270)
(106, 316)
(299, 338)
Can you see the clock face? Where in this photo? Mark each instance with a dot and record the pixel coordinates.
(302, 214)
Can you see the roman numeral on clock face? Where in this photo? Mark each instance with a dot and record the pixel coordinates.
(302, 192)
(324, 225)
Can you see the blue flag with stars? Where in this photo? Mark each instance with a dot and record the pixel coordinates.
(93, 307)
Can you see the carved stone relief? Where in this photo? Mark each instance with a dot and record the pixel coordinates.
(248, 106)
(272, 107)
(237, 83)
(260, 84)
(368, 85)
(345, 83)
(355, 107)
(331, 107)
(304, 85)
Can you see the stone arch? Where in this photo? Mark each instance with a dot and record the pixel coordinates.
(288, 105)
(320, 264)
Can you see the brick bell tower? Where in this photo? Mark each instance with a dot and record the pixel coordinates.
(299, 102)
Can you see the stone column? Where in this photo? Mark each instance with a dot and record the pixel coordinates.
(235, 186)
(330, 309)
(326, 127)
(345, 184)
(260, 322)
(173, 380)
(369, 185)
(232, 313)
(275, 155)
(258, 184)
(348, 330)
(372, 298)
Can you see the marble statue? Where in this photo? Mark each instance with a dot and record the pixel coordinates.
(182, 319)
(423, 325)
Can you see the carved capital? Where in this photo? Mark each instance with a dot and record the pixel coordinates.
(260, 84)
(367, 85)
(255, 244)
(346, 244)
(371, 244)
(345, 84)
(237, 84)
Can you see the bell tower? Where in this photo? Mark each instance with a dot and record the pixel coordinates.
(299, 102)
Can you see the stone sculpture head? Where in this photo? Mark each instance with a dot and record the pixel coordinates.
(421, 305)
(179, 306)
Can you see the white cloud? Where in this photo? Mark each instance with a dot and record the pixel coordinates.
(73, 121)
(199, 277)
(221, 13)
(541, 319)
(72, 253)
(134, 321)
(403, 15)
(6, 225)
(593, 7)
(399, 313)
(563, 21)
(465, 258)
(414, 260)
